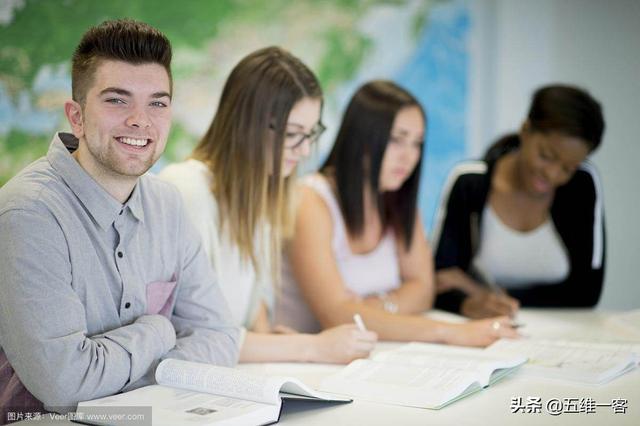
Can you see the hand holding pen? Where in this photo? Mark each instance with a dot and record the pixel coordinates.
(490, 302)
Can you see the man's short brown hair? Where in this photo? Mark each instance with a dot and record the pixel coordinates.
(121, 40)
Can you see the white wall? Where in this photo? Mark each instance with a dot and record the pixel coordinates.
(595, 44)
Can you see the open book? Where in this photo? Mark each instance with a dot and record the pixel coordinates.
(593, 363)
(421, 375)
(201, 394)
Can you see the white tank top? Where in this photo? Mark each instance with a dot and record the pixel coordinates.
(363, 274)
(515, 259)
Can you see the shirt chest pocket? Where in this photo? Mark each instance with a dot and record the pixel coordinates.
(160, 297)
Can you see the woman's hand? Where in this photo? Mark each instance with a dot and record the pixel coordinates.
(486, 303)
(283, 329)
(481, 332)
(343, 344)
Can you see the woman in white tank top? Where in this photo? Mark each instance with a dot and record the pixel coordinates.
(359, 246)
(236, 190)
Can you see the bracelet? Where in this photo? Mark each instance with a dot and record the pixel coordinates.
(387, 304)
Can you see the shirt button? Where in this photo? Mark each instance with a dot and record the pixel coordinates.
(120, 254)
(127, 305)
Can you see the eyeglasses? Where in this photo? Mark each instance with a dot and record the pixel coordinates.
(293, 140)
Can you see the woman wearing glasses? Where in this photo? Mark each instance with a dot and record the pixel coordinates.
(359, 246)
(236, 188)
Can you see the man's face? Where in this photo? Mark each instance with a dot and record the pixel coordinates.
(124, 125)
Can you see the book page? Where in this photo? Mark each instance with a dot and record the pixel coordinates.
(293, 388)
(447, 357)
(398, 384)
(419, 375)
(234, 383)
(173, 406)
(218, 380)
(580, 361)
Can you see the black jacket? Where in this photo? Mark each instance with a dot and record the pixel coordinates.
(577, 213)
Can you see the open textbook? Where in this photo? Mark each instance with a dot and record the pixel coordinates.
(421, 375)
(201, 394)
(593, 363)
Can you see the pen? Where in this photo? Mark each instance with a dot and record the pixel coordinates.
(358, 320)
(494, 287)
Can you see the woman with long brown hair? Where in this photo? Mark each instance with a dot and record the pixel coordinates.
(237, 189)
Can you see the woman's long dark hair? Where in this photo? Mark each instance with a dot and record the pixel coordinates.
(357, 154)
(557, 108)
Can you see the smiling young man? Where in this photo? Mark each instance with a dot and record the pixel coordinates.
(102, 274)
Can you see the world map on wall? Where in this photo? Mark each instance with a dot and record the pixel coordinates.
(420, 44)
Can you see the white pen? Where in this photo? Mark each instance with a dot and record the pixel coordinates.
(358, 320)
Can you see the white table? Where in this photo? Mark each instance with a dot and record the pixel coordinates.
(491, 406)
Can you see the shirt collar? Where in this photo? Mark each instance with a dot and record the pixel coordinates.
(99, 203)
(135, 201)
